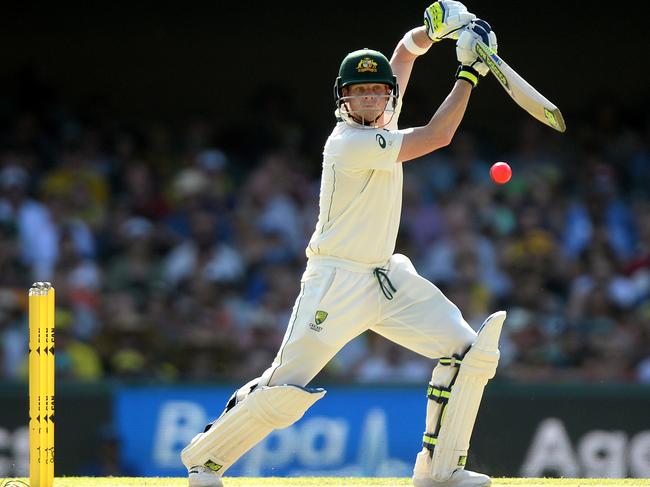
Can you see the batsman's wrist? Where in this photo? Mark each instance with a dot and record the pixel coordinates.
(468, 74)
(410, 44)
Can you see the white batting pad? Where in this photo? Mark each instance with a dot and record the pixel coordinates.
(247, 423)
(442, 377)
(478, 366)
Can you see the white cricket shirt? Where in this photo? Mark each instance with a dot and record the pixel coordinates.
(360, 194)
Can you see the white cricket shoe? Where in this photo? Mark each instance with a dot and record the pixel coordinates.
(460, 478)
(200, 476)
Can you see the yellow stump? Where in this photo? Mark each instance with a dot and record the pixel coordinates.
(41, 385)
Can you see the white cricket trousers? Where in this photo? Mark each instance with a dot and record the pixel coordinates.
(419, 316)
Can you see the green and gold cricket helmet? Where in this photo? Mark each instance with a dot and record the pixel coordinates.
(365, 66)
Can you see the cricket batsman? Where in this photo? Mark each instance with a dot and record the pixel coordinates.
(354, 282)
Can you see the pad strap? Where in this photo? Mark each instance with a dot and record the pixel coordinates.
(454, 361)
(429, 441)
(439, 394)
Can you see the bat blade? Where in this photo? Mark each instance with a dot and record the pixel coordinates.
(522, 92)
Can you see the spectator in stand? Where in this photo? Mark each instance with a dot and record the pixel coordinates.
(37, 233)
(602, 215)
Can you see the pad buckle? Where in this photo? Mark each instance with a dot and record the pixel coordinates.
(429, 441)
(439, 394)
(453, 361)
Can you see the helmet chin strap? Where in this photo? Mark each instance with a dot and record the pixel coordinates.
(354, 116)
(364, 122)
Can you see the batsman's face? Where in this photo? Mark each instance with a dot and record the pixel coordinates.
(367, 101)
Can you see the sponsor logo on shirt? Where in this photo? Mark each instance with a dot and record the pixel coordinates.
(381, 140)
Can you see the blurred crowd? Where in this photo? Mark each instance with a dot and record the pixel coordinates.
(176, 257)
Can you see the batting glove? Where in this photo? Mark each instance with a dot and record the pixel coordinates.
(445, 19)
(477, 30)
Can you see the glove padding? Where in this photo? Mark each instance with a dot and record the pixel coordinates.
(476, 30)
(445, 19)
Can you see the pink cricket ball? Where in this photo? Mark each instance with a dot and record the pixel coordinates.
(500, 172)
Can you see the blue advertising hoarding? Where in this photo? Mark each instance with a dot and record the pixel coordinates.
(564, 431)
(350, 432)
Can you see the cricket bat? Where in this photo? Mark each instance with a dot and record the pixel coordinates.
(520, 90)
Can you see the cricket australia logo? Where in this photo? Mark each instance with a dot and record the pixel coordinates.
(319, 318)
(367, 65)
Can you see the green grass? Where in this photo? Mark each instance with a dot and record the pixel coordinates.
(320, 481)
